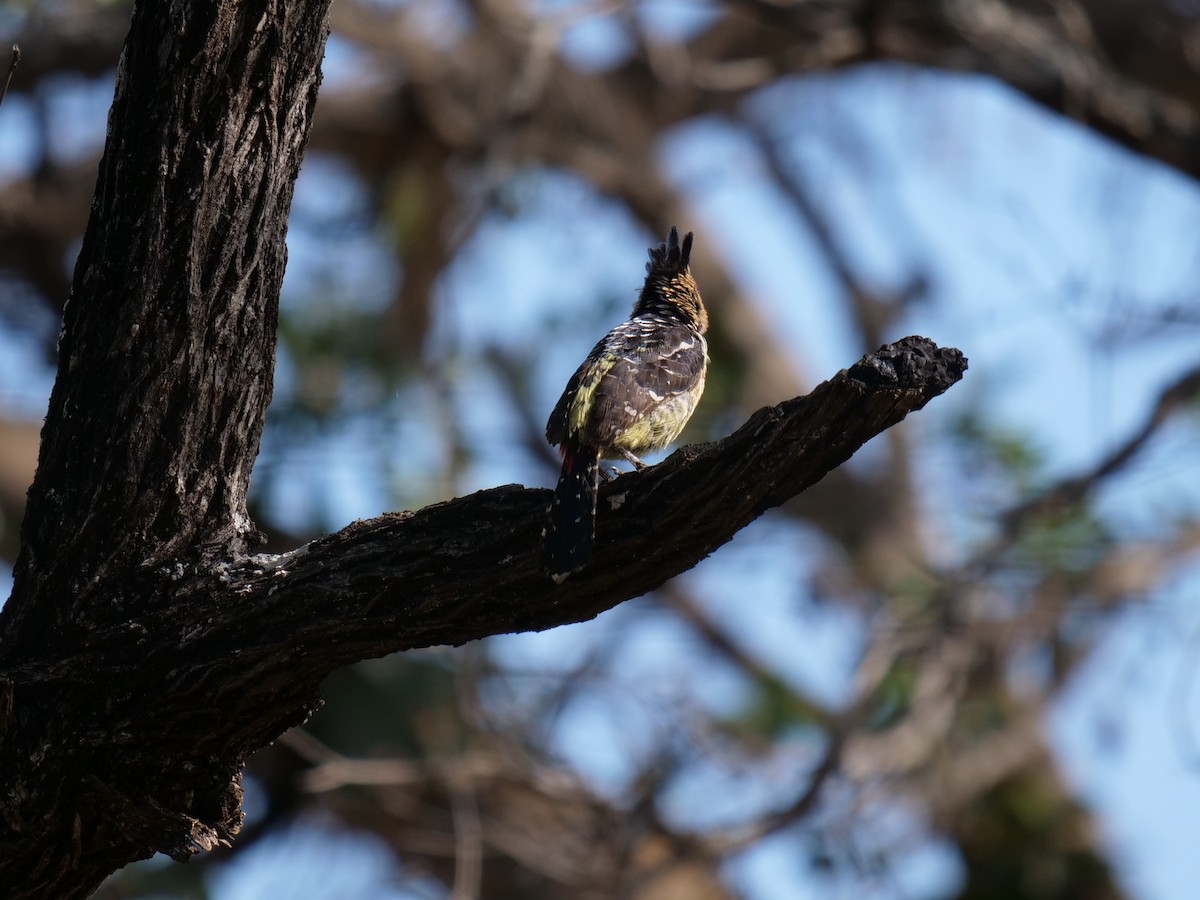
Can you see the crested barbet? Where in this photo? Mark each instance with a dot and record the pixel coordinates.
(633, 394)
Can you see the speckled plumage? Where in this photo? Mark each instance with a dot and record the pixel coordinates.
(634, 393)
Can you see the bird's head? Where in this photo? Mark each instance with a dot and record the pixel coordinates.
(669, 284)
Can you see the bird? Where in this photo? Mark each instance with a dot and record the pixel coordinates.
(633, 394)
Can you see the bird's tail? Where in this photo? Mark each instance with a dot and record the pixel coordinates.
(571, 526)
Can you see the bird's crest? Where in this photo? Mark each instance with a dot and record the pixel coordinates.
(669, 289)
(670, 258)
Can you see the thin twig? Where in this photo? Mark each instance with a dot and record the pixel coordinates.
(1070, 491)
(12, 68)
(718, 640)
(468, 843)
(874, 311)
(830, 763)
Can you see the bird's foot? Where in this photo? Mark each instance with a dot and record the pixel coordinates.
(637, 463)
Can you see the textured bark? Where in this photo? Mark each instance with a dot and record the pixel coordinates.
(165, 372)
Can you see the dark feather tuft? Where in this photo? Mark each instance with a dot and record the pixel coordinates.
(670, 258)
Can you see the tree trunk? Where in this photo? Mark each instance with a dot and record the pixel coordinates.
(165, 372)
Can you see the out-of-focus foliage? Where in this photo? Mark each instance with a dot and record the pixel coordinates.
(853, 695)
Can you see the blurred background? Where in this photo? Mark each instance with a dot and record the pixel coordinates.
(963, 666)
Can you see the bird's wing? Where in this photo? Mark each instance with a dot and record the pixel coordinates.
(558, 428)
(637, 372)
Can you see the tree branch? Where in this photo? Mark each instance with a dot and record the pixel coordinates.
(468, 568)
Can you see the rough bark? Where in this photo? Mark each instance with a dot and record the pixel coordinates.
(165, 372)
(143, 653)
